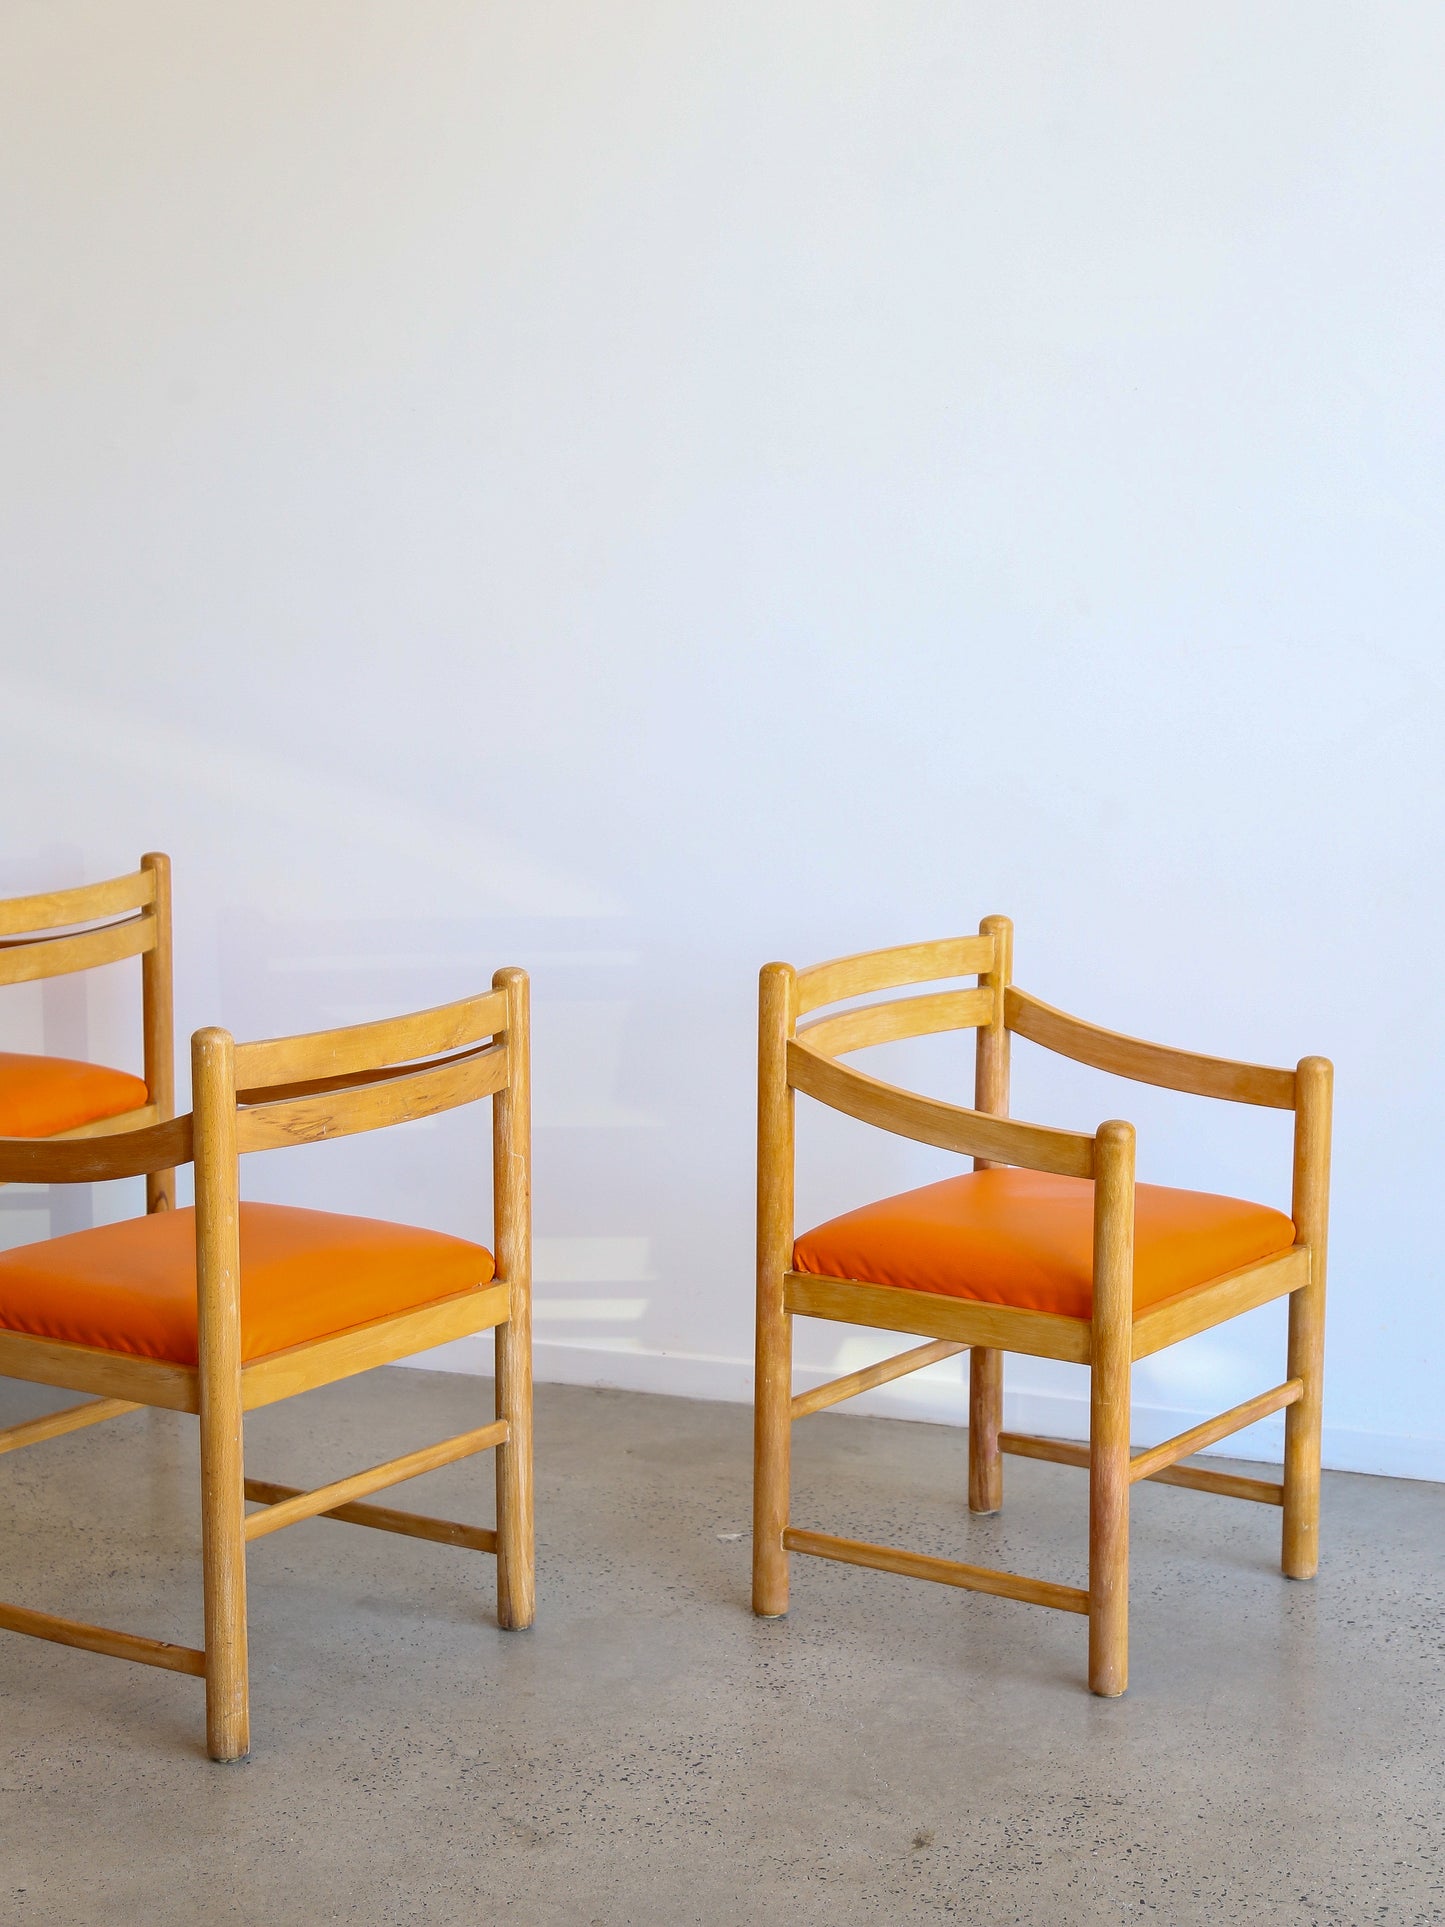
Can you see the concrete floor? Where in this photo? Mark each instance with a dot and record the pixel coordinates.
(650, 1753)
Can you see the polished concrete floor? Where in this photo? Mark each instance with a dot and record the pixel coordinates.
(650, 1753)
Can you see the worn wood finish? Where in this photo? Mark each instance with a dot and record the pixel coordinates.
(928, 1314)
(871, 1376)
(101, 1639)
(371, 1047)
(157, 996)
(894, 969)
(1144, 1063)
(900, 1017)
(1227, 1484)
(1227, 1297)
(1310, 1209)
(382, 1518)
(55, 1425)
(928, 1120)
(512, 1205)
(344, 1111)
(1109, 1410)
(86, 903)
(321, 1361)
(946, 1572)
(990, 1095)
(773, 1362)
(98, 1157)
(376, 1478)
(1184, 1445)
(218, 1308)
(83, 1368)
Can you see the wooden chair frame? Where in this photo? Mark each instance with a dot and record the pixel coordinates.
(130, 916)
(264, 1096)
(794, 1056)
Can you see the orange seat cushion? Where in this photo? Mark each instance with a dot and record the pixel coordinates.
(131, 1287)
(42, 1095)
(1025, 1239)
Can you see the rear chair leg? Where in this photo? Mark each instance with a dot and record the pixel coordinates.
(985, 1421)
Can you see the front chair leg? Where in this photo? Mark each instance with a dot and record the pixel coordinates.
(516, 1578)
(223, 1556)
(772, 1456)
(1109, 1531)
(985, 1421)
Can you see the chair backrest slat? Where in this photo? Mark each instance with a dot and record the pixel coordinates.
(370, 1047)
(87, 903)
(849, 1030)
(909, 963)
(395, 1098)
(29, 959)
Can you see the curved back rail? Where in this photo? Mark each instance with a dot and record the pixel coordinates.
(908, 963)
(96, 1160)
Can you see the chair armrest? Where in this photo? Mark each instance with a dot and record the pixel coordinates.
(95, 1160)
(1131, 1057)
(928, 1120)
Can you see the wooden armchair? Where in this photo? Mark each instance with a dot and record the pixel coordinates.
(233, 1306)
(50, 1097)
(1048, 1248)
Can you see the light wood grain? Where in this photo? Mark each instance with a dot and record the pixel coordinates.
(929, 1314)
(1208, 1305)
(893, 969)
(382, 1518)
(343, 1112)
(83, 1368)
(97, 1158)
(104, 1126)
(86, 903)
(1310, 1209)
(871, 1376)
(773, 1359)
(55, 1425)
(101, 1639)
(990, 1095)
(1144, 1063)
(888, 1023)
(1226, 1484)
(928, 1120)
(158, 1019)
(1109, 1410)
(370, 1047)
(376, 1478)
(322, 1361)
(512, 1205)
(945, 1572)
(1184, 1445)
(27, 960)
(218, 1306)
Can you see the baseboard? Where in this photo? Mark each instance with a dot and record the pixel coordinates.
(937, 1397)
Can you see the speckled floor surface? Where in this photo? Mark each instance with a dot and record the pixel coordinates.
(650, 1753)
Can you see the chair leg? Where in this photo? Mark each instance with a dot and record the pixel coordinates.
(772, 1459)
(1300, 1538)
(516, 1570)
(223, 1554)
(985, 1421)
(1109, 1528)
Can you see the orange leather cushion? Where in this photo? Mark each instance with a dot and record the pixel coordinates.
(42, 1095)
(131, 1287)
(1022, 1238)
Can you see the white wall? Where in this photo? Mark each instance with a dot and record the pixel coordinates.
(636, 490)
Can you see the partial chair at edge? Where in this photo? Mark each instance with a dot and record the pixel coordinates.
(237, 1305)
(1049, 1248)
(62, 1097)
